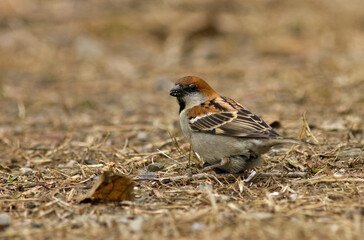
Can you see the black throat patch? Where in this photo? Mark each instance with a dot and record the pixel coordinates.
(182, 104)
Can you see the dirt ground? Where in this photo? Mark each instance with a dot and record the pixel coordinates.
(84, 85)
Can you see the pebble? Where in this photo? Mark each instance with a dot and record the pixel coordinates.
(4, 221)
(204, 187)
(142, 136)
(36, 225)
(70, 164)
(154, 167)
(324, 219)
(274, 194)
(32, 205)
(351, 153)
(187, 188)
(293, 196)
(136, 224)
(93, 179)
(262, 215)
(147, 175)
(76, 225)
(197, 226)
(90, 161)
(27, 171)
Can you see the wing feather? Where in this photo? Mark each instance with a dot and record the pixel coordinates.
(227, 117)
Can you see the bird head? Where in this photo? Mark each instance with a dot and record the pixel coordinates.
(192, 91)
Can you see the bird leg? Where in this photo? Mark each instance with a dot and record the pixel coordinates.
(223, 162)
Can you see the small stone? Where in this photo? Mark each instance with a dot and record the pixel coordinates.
(325, 219)
(32, 205)
(273, 154)
(93, 179)
(154, 167)
(274, 194)
(26, 171)
(142, 136)
(293, 196)
(197, 226)
(76, 225)
(90, 161)
(4, 221)
(262, 215)
(70, 164)
(351, 153)
(187, 188)
(147, 175)
(76, 177)
(36, 225)
(140, 200)
(204, 187)
(136, 224)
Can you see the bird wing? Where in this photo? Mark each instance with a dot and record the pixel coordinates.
(224, 116)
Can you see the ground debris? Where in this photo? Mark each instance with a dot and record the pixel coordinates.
(4, 221)
(110, 187)
(84, 89)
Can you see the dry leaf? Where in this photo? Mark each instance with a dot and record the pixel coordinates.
(110, 187)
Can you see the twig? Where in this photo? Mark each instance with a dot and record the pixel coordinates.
(251, 176)
(234, 176)
(176, 144)
(289, 174)
(182, 178)
(314, 181)
(63, 174)
(102, 142)
(164, 154)
(306, 128)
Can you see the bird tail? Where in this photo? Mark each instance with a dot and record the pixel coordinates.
(265, 146)
(279, 141)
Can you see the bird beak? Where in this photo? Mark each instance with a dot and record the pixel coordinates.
(176, 91)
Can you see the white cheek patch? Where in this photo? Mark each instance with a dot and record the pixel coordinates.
(194, 99)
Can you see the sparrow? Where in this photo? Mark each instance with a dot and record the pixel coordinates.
(226, 135)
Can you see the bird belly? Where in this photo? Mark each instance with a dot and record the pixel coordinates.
(242, 152)
(213, 148)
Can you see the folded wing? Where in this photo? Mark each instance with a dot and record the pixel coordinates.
(224, 116)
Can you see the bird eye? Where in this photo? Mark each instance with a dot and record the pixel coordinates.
(192, 87)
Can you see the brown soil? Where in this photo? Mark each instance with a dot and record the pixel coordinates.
(84, 85)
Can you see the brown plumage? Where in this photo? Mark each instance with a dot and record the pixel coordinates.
(202, 85)
(227, 117)
(220, 130)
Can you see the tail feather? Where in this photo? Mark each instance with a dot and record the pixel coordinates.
(278, 141)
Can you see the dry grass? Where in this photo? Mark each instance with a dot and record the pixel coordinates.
(84, 84)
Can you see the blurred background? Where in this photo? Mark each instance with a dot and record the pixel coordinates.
(85, 85)
(73, 64)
